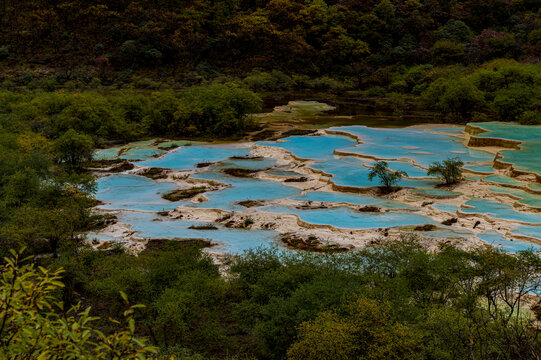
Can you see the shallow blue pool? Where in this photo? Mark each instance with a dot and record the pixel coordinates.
(186, 157)
(344, 217)
(499, 241)
(233, 241)
(134, 192)
(500, 211)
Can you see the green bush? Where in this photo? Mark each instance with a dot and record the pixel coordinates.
(386, 177)
(4, 52)
(36, 325)
(530, 118)
(264, 81)
(511, 102)
(450, 170)
(26, 77)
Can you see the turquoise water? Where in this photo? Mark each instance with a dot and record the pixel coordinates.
(185, 158)
(409, 168)
(106, 154)
(527, 159)
(312, 147)
(480, 168)
(242, 189)
(526, 197)
(349, 171)
(500, 211)
(347, 218)
(451, 208)
(91, 236)
(141, 153)
(499, 241)
(419, 145)
(139, 150)
(256, 164)
(133, 192)
(502, 180)
(355, 199)
(535, 186)
(233, 241)
(528, 230)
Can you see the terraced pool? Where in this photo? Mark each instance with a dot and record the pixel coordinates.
(321, 162)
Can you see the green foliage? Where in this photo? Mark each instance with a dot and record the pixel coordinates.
(263, 81)
(446, 52)
(73, 148)
(386, 177)
(458, 98)
(4, 52)
(530, 118)
(181, 288)
(210, 110)
(455, 31)
(36, 326)
(362, 329)
(392, 301)
(215, 109)
(510, 103)
(314, 38)
(450, 170)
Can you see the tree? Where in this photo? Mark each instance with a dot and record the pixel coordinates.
(73, 148)
(512, 102)
(218, 109)
(387, 178)
(363, 329)
(450, 170)
(33, 324)
(446, 51)
(457, 97)
(456, 31)
(21, 186)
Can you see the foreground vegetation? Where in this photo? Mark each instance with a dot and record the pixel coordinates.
(395, 301)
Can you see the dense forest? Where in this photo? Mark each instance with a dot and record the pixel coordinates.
(347, 38)
(82, 74)
(457, 59)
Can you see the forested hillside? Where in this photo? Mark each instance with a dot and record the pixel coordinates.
(347, 38)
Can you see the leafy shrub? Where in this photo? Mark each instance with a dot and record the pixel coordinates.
(361, 329)
(458, 98)
(264, 81)
(73, 148)
(4, 52)
(215, 109)
(455, 31)
(386, 177)
(36, 326)
(450, 170)
(530, 118)
(445, 52)
(511, 102)
(327, 83)
(26, 77)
